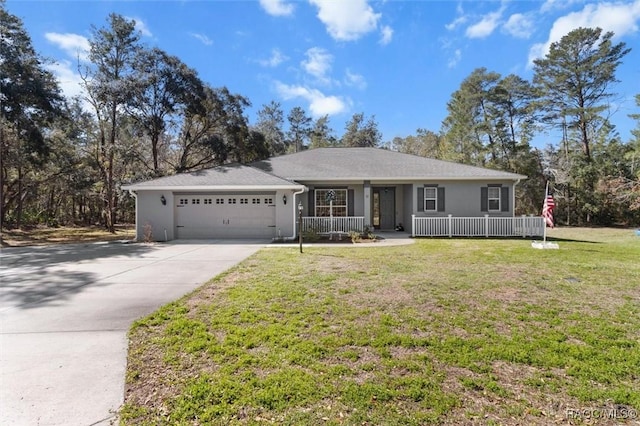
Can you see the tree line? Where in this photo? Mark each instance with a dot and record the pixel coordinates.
(492, 121)
(145, 114)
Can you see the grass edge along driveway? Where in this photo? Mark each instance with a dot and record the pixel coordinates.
(446, 331)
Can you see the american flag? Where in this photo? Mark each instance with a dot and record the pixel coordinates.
(547, 210)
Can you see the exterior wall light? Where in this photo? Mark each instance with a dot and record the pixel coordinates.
(284, 199)
(163, 200)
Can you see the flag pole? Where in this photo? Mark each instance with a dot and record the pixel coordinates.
(544, 233)
(547, 219)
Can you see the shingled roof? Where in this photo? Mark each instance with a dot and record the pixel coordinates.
(230, 176)
(324, 164)
(372, 163)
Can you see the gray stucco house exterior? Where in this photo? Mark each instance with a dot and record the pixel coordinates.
(368, 186)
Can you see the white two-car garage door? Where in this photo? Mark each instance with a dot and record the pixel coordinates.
(225, 216)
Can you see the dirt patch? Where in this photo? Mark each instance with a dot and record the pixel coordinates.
(39, 236)
(506, 295)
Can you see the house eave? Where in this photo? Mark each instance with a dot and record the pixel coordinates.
(514, 178)
(206, 188)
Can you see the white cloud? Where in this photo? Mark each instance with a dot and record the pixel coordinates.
(453, 61)
(69, 79)
(460, 20)
(202, 38)
(318, 63)
(277, 7)
(347, 20)
(354, 80)
(74, 45)
(551, 5)
(276, 58)
(519, 25)
(319, 103)
(386, 34)
(486, 25)
(140, 26)
(620, 18)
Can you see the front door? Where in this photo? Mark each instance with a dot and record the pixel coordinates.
(384, 208)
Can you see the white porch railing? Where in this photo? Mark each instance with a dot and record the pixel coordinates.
(324, 225)
(523, 226)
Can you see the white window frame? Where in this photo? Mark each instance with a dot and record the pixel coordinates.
(496, 199)
(430, 197)
(322, 205)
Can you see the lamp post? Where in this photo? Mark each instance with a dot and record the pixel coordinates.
(300, 225)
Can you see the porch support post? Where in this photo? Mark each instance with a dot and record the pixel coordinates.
(367, 203)
(486, 226)
(413, 225)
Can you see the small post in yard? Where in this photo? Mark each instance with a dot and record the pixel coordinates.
(300, 225)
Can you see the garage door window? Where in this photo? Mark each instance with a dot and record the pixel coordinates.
(195, 201)
(219, 200)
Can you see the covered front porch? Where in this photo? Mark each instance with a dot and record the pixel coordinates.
(390, 206)
(345, 207)
(523, 226)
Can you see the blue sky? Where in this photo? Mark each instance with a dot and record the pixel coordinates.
(399, 61)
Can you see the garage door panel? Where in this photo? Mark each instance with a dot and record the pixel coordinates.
(228, 216)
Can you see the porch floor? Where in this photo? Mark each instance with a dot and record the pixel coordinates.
(393, 235)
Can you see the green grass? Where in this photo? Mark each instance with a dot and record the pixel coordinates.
(442, 331)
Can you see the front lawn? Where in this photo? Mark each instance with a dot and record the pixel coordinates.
(445, 331)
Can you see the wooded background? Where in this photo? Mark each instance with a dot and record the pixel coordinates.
(146, 114)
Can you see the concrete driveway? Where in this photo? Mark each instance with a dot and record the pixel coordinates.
(64, 315)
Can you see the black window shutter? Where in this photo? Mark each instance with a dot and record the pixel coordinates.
(350, 202)
(440, 199)
(484, 199)
(504, 199)
(421, 199)
(312, 203)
